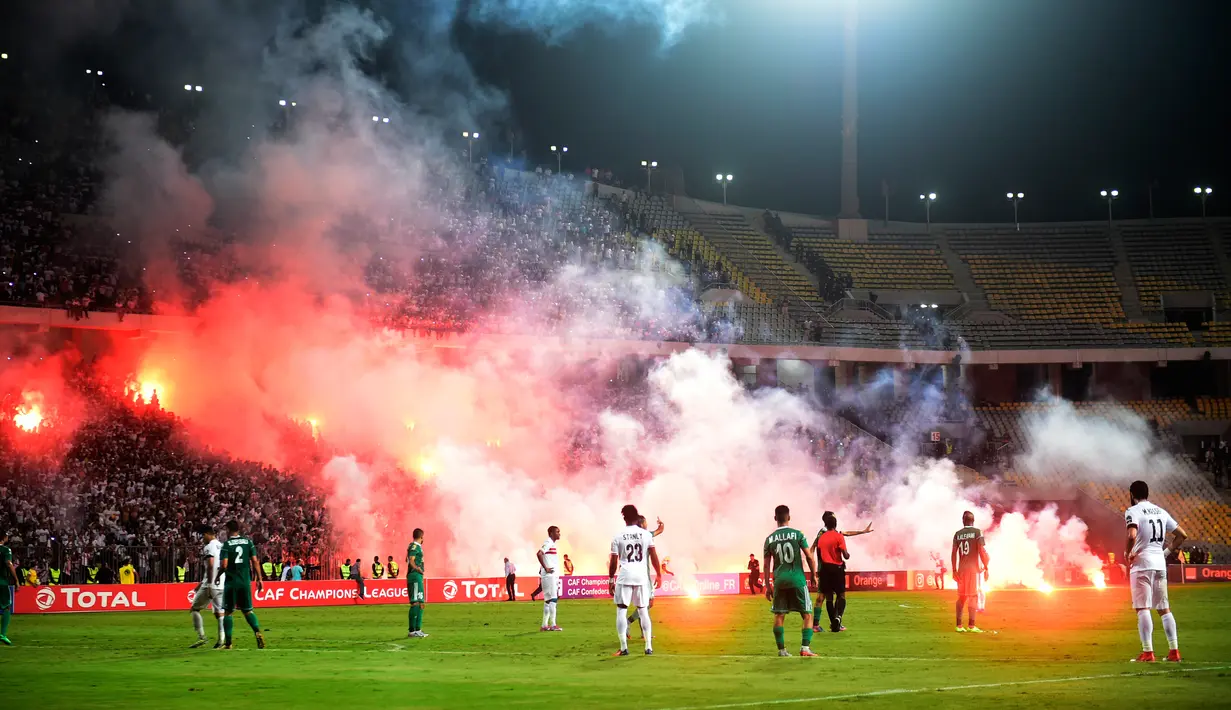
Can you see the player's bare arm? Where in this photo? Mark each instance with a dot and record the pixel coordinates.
(953, 559)
(612, 564)
(769, 577)
(658, 569)
(221, 571)
(1129, 542)
(543, 564)
(853, 533)
(658, 530)
(810, 560)
(256, 572)
(1177, 539)
(985, 558)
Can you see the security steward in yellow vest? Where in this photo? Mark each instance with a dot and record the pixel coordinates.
(346, 569)
(393, 568)
(378, 570)
(267, 569)
(91, 574)
(55, 576)
(181, 573)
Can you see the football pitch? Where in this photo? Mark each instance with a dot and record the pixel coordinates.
(1067, 649)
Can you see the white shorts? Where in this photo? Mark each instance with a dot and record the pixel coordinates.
(207, 597)
(551, 586)
(1149, 589)
(634, 595)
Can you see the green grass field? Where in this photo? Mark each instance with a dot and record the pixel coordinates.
(1068, 649)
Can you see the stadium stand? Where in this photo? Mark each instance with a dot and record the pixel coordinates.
(756, 256)
(1176, 257)
(886, 261)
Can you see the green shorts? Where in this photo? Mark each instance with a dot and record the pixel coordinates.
(236, 596)
(415, 589)
(790, 600)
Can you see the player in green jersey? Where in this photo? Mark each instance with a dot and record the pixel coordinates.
(415, 587)
(786, 549)
(8, 587)
(240, 567)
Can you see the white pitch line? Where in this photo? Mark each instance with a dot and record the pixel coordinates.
(947, 688)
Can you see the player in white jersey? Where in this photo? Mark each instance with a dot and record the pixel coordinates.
(1146, 552)
(549, 576)
(634, 617)
(209, 591)
(631, 587)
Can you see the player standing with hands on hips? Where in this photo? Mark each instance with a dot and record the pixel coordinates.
(786, 549)
(1146, 552)
(629, 550)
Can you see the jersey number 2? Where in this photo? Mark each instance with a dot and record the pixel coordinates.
(1158, 533)
(239, 556)
(784, 554)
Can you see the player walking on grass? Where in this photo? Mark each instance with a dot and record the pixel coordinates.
(786, 549)
(630, 549)
(239, 568)
(209, 592)
(415, 588)
(635, 617)
(549, 574)
(967, 554)
(1146, 552)
(8, 588)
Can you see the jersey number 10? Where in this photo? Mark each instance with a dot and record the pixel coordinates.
(784, 554)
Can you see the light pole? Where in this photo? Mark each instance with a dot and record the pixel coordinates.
(1016, 197)
(725, 180)
(1204, 193)
(471, 137)
(1109, 195)
(286, 109)
(650, 166)
(559, 151)
(928, 199)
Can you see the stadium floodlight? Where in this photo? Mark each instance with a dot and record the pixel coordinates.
(650, 166)
(725, 180)
(1110, 196)
(927, 200)
(282, 102)
(385, 119)
(1204, 193)
(1015, 198)
(471, 137)
(95, 72)
(559, 150)
(4, 55)
(187, 87)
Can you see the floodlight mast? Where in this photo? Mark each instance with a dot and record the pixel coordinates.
(724, 180)
(1015, 198)
(928, 199)
(471, 137)
(559, 150)
(649, 166)
(1110, 196)
(850, 112)
(1204, 193)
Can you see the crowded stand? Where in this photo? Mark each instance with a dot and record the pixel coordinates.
(125, 486)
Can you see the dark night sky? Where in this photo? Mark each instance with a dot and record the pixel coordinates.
(970, 98)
